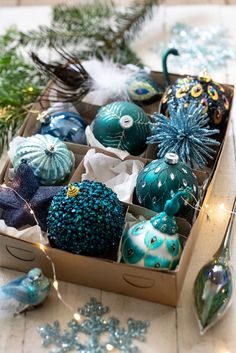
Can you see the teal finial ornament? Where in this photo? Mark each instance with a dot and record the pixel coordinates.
(213, 285)
(155, 243)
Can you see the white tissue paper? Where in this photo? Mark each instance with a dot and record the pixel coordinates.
(93, 142)
(31, 234)
(119, 175)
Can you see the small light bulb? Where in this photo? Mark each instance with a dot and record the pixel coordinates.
(55, 284)
(77, 316)
(206, 205)
(109, 347)
(42, 247)
(31, 211)
(222, 206)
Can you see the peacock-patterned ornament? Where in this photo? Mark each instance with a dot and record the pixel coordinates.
(213, 285)
(49, 158)
(67, 126)
(156, 243)
(143, 89)
(160, 179)
(85, 218)
(211, 95)
(186, 133)
(122, 125)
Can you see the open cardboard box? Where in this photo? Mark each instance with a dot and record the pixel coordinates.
(160, 286)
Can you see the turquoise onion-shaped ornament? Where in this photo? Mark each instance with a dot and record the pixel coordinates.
(213, 285)
(143, 89)
(122, 125)
(156, 243)
(159, 181)
(49, 158)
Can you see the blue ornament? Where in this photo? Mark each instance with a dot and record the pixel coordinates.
(143, 89)
(156, 243)
(49, 158)
(122, 125)
(160, 179)
(67, 126)
(186, 133)
(15, 212)
(30, 290)
(85, 218)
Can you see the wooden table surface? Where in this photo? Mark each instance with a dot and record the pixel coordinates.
(171, 330)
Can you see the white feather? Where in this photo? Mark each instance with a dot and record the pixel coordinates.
(109, 81)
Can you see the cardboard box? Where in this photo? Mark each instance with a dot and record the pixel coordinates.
(160, 286)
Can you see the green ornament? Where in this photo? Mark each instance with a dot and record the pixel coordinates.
(143, 89)
(161, 179)
(155, 243)
(49, 158)
(122, 125)
(213, 286)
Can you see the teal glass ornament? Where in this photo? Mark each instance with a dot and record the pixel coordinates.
(67, 126)
(85, 218)
(122, 125)
(213, 286)
(143, 89)
(156, 243)
(159, 180)
(49, 158)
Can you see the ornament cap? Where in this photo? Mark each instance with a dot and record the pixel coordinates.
(171, 158)
(72, 190)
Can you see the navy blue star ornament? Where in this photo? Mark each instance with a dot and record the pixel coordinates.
(15, 211)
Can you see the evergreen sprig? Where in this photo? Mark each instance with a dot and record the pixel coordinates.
(20, 84)
(96, 28)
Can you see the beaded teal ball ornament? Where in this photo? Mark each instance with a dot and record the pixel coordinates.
(155, 243)
(122, 125)
(159, 180)
(143, 89)
(49, 158)
(211, 95)
(85, 218)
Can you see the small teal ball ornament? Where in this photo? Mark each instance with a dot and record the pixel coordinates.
(143, 89)
(85, 218)
(122, 125)
(49, 158)
(67, 126)
(159, 180)
(153, 243)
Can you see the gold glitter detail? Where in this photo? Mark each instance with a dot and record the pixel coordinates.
(72, 191)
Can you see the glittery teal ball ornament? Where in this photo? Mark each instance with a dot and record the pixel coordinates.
(49, 158)
(143, 89)
(210, 94)
(122, 125)
(156, 243)
(85, 218)
(159, 180)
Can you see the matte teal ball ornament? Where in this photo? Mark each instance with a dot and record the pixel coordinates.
(143, 89)
(155, 243)
(159, 180)
(49, 158)
(122, 125)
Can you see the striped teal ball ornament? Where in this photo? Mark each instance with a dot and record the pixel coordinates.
(49, 158)
(159, 180)
(122, 125)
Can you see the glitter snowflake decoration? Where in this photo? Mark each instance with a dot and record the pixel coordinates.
(185, 133)
(94, 326)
